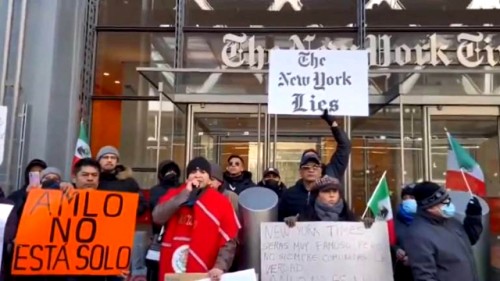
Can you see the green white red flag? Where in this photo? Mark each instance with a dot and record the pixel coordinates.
(380, 206)
(82, 149)
(463, 173)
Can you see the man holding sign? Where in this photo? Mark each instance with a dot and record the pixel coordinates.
(79, 229)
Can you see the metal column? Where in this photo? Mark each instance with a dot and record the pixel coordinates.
(426, 142)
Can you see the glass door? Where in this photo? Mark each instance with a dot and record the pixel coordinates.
(476, 129)
(219, 131)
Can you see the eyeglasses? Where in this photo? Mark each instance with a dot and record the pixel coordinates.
(310, 167)
(235, 163)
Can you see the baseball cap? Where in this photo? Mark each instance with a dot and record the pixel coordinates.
(310, 156)
(271, 171)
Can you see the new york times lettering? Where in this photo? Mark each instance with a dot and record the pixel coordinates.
(81, 225)
(313, 104)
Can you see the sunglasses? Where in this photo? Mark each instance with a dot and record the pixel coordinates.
(235, 163)
(310, 167)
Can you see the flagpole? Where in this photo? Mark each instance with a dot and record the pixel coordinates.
(371, 197)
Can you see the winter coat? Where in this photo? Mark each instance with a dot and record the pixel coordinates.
(19, 196)
(121, 180)
(295, 199)
(277, 189)
(441, 249)
(401, 272)
(238, 184)
(162, 187)
(8, 239)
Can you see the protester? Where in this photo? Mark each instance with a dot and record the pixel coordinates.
(116, 177)
(51, 177)
(217, 182)
(236, 178)
(19, 196)
(329, 204)
(271, 179)
(404, 217)
(438, 245)
(9, 233)
(296, 198)
(168, 177)
(201, 226)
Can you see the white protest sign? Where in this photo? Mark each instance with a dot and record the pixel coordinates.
(325, 251)
(5, 210)
(3, 129)
(306, 82)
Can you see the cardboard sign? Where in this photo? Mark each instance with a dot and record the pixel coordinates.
(334, 251)
(81, 232)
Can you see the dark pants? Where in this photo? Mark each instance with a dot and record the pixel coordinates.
(153, 270)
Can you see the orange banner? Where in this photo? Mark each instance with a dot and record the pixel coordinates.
(81, 232)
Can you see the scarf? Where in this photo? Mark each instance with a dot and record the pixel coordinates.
(328, 213)
(405, 216)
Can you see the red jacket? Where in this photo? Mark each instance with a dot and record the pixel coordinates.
(197, 233)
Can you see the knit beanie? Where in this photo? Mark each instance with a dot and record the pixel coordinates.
(198, 163)
(107, 150)
(429, 194)
(216, 172)
(327, 183)
(50, 171)
(407, 190)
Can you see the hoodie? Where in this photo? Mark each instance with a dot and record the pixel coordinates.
(239, 183)
(163, 186)
(19, 196)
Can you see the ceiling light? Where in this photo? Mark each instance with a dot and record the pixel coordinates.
(117, 82)
(106, 73)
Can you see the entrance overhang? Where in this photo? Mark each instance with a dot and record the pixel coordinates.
(157, 77)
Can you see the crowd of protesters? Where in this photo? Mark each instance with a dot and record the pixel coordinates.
(196, 218)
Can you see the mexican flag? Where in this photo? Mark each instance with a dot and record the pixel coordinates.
(82, 149)
(462, 171)
(380, 205)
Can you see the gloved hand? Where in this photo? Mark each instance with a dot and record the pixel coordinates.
(474, 207)
(290, 221)
(328, 118)
(368, 222)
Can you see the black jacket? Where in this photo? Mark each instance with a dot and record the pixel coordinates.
(401, 271)
(8, 239)
(19, 196)
(162, 187)
(296, 198)
(121, 180)
(277, 189)
(240, 183)
(440, 249)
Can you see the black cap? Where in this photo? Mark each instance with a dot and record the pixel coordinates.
(407, 190)
(429, 194)
(271, 171)
(310, 156)
(198, 163)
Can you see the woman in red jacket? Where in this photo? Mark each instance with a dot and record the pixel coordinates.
(201, 226)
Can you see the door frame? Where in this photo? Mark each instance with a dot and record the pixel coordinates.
(430, 111)
(262, 127)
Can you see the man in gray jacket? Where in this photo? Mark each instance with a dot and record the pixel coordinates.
(439, 247)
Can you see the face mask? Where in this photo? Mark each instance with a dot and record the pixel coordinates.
(409, 206)
(50, 184)
(448, 211)
(272, 183)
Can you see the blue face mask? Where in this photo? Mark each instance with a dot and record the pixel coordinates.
(448, 211)
(409, 206)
